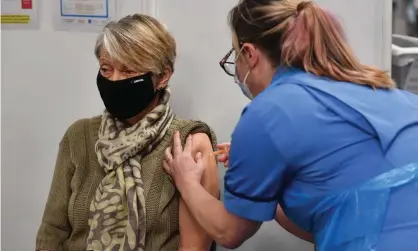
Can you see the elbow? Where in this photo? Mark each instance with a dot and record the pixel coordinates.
(232, 245)
(233, 231)
(228, 239)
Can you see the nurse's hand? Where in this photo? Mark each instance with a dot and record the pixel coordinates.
(180, 163)
(224, 158)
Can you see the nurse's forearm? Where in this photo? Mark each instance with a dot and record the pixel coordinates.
(208, 211)
(226, 229)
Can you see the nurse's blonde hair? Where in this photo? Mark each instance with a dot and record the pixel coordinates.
(139, 42)
(301, 34)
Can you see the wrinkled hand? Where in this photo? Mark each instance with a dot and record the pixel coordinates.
(180, 164)
(224, 158)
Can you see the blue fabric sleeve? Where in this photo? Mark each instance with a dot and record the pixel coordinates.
(253, 179)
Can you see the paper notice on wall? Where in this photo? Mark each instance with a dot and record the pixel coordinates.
(83, 15)
(19, 14)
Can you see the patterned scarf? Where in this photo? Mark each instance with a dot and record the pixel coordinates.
(117, 212)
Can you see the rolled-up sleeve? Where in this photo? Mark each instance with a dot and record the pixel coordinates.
(254, 178)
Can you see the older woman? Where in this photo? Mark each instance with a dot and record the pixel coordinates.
(109, 190)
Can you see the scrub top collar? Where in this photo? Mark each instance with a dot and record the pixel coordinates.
(282, 72)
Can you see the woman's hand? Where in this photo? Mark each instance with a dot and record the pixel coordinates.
(181, 165)
(224, 158)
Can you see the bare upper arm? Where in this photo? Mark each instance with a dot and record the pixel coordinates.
(210, 181)
(192, 235)
(247, 228)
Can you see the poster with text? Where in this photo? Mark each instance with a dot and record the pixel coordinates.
(83, 15)
(19, 14)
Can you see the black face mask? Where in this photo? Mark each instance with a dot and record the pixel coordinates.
(126, 98)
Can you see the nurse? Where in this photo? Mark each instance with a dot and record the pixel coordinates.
(326, 138)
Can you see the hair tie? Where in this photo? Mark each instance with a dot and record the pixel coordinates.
(301, 6)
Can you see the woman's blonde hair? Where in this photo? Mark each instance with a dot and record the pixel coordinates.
(301, 34)
(139, 42)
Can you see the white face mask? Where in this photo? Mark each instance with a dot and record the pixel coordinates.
(244, 88)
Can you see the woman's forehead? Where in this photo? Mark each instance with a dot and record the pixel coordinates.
(104, 55)
(106, 58)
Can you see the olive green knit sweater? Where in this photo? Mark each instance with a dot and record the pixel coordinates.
(77, 175)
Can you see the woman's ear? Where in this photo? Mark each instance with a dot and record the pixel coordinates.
(163, 78)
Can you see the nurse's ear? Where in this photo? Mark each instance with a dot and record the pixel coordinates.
(251, 54)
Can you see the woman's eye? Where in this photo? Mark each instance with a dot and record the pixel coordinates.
(129, 72)
(106, 71)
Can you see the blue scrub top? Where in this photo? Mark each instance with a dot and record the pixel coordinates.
(314, 145)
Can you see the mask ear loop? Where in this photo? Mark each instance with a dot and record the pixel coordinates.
(248, 65)
(246, 76)
(239, 53)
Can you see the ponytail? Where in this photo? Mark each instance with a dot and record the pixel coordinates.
(314, 40)
(304, 36)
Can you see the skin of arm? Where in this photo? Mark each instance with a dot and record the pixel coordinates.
(192, 236)
(291, 227)
(280, 218)
(225, 228)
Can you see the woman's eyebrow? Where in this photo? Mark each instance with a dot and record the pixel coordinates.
(104, 60)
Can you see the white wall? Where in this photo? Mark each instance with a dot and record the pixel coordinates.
(48, 81)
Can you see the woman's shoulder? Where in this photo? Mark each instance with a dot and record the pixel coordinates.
(191, 126)
(82, 130)
(187, 124)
